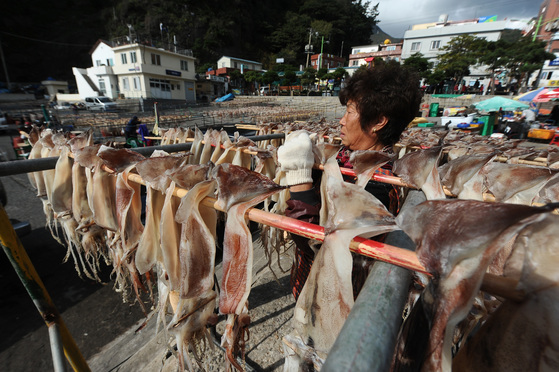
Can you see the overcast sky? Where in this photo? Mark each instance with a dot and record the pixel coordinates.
(397, 16)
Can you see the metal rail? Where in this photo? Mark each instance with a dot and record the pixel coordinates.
(60, 337)
(35, 165)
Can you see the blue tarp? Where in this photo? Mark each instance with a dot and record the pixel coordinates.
(227, 97)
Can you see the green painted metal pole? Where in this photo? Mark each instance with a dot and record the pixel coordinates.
(35, 288)
(537, 28)
(45, 114)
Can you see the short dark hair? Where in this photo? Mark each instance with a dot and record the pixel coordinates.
(388, 90)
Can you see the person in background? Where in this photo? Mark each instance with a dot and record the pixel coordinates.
(528, 117)
(130, 131)
(380, 103)
(144, 132)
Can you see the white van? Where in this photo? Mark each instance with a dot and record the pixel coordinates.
(265, 90)
(100, 103)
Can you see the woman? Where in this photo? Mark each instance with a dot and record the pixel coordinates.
(380, 103)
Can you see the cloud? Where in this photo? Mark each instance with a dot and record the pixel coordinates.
(397, 16)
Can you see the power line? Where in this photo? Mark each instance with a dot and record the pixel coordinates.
(45, 41)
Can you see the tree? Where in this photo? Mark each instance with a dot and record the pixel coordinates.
(419, 64)
(495, 55)
(322, 73)
(527, 56)
(338, 75)
(269, 77)
(290, 77)
(309, 77)
(252, 77)
(236, 78)
(458, 55)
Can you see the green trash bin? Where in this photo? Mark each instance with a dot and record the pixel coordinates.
(488, 123)
(433, 109)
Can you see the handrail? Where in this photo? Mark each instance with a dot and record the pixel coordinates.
(58, 332)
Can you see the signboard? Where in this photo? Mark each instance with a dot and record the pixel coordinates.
(555, 62)
(553, 83)
(220, 79)
(137, 68)
(492, 18)
(173, 73)
(279, 60)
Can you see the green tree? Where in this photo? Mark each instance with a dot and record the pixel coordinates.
(459, 55)
(309, 77)
(321, 74)
(290, 77)
(338, 75)
(419, 64)
(527, 56)
(236, 78)
(269, 77)
(253, 77)
(495, 56)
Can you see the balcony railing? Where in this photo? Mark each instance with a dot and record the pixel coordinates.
(155, 43)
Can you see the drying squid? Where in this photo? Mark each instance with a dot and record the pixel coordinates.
(238, 190)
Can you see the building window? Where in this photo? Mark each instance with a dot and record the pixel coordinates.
(98, 62)
(184, 65)
(549, 75)
(155, 59)
(136, 83)
(125, 84)
(110, 62)
(391, 47)
(133, 58)
(123, 58)
(435, 44)
(415, 46)
(355, 51)
(355, 63)
(235, 64)
(102, 86)
(164, 85)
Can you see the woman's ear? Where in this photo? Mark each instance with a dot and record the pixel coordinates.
(379, 125)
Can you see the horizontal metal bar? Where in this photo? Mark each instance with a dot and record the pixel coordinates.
(30, 279)
(36, 165)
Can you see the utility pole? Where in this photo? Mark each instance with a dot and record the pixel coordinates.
(342, 49)
(308, 47)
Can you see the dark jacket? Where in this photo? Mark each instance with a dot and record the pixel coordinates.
(305, 206)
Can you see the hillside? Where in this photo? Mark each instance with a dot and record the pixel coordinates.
(46, 39)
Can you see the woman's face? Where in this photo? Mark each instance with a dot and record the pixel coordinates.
(351, 133)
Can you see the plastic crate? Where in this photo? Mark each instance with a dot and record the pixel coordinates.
(545, 134)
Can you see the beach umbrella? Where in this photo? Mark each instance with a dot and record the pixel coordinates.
(547, 95)
(495, 103)
(529, 96)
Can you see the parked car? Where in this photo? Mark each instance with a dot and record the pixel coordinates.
(100, 104)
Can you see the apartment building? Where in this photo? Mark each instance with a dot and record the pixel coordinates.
(429, 38)
(546, 29)
(366, 54)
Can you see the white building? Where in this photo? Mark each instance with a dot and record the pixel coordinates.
(238, 63)
(133, 70)
(429, 38)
